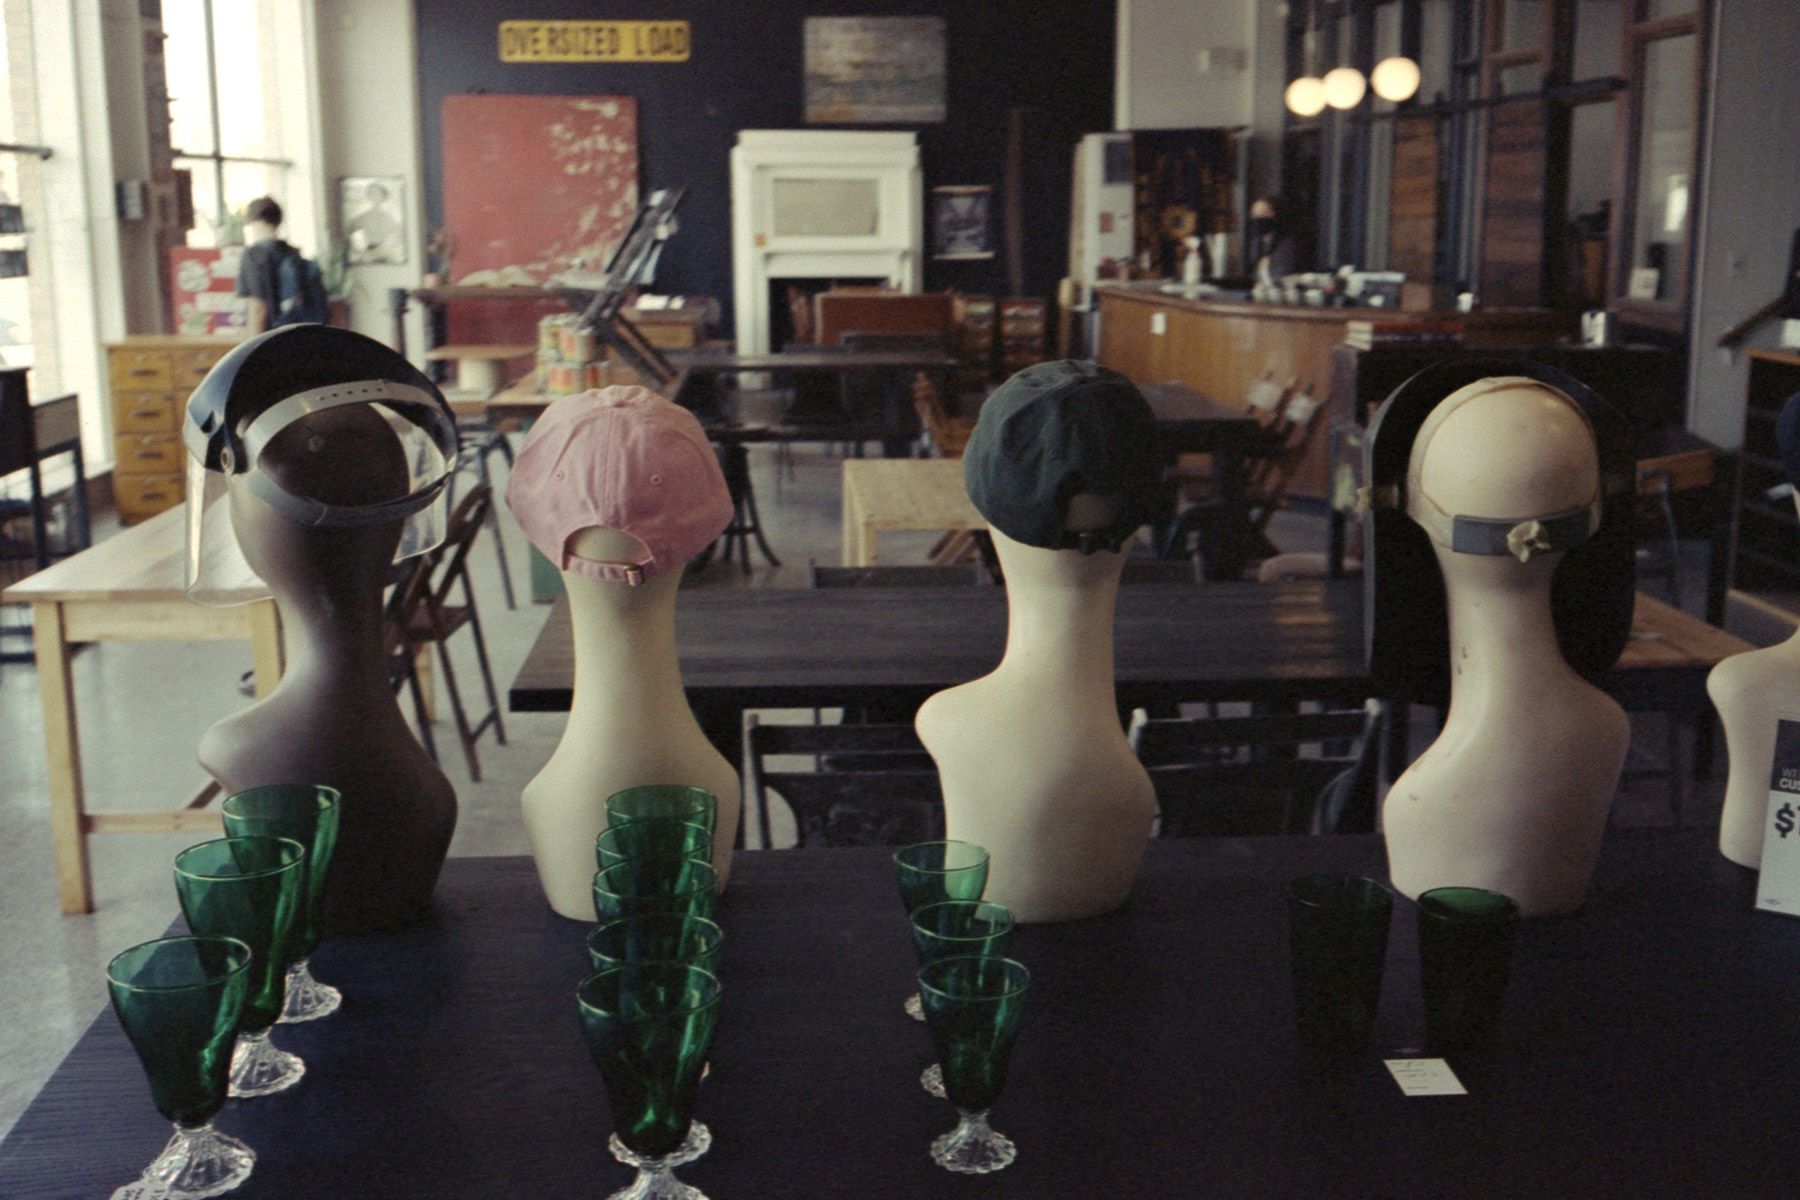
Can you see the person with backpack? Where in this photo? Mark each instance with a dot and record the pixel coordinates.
(283, 286)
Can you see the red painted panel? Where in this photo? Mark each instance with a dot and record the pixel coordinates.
(531, 184)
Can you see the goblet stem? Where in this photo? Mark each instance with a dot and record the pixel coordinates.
(932, 1080)
(259, 1068)
(915, 1007)
(656, 1181)
(698, 1142)
(198, 1162)
(307, 998)
(973, 1147)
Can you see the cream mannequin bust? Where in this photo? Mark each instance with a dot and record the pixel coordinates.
(334, 718)
(1513, 795)
(1034, 763)
(629, 724)
(1752, 691)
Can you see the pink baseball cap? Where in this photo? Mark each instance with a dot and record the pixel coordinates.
(620, 458)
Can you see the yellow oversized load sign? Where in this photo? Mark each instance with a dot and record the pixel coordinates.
(593, 41)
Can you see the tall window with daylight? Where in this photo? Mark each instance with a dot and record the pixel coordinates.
(223, 111)
(20, 200)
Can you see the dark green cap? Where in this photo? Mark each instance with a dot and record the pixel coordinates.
(1052, 432)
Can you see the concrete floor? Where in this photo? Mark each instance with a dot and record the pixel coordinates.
(144, 706)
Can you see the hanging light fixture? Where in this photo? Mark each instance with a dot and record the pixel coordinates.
(1306, 96)
(1344, 87)
(1395, 78)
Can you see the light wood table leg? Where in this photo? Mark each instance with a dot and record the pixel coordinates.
(62, 750)
(427, 682)
(265, 646)
(852, 523)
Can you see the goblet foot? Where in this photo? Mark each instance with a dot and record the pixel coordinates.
(932, 1080)
(973, 1147)
(915, 1007)
(307, 998)
(258, 1068)
(656, 1182)
(200, 1162)
(698, 1142)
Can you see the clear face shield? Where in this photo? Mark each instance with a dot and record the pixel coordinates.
(347, 456)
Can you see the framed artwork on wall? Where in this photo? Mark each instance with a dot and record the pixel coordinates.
(874, 70)
(373, 211)
(962, 222)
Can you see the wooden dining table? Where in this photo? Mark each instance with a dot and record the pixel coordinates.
(127, 588)
(744, 648)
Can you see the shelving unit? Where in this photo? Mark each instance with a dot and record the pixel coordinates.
(1765, 542)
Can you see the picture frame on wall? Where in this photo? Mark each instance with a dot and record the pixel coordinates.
(962, 225)
(372, 209)
(874, 70)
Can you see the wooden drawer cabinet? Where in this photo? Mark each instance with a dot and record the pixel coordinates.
(151, 379)
(147, 412)
(143, 496)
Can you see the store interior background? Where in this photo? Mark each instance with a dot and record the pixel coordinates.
(357, 89)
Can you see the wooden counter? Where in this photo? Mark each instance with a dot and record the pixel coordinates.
(1220, 347)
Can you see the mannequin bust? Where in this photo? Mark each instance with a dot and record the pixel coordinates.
(1065, 813)
(629, 724)
(334, 718)
(1752, 691)
(1513, 795)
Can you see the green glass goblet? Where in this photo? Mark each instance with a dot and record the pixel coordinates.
(1465, 957)
(649, 937)
(250, 888)
(648, 1026)
(645, 937)
(973, 1006)
(951, 928)
(308, 813)
(652, 837)
(682, 886)
(928, 872)
(664, 800)
(179, 1000)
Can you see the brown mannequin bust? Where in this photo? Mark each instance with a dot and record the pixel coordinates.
(334, 718)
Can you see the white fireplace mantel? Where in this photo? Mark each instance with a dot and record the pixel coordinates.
(809, 203)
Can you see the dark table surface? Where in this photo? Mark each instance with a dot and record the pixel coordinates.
(782, 647)
(1649, 1049)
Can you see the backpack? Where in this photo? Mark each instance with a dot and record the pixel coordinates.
(301, 292)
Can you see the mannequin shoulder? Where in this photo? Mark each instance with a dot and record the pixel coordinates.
(1769, 677)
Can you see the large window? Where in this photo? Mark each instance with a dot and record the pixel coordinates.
(224, 111)
(24, 295)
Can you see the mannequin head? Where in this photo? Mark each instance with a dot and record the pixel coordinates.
(309, 458)
(1034, 566)
(1505, 450)
(598, 544)
(1494, 468)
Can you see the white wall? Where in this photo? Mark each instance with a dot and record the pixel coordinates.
(369, 125)
(1159, 83)
(1751, 206)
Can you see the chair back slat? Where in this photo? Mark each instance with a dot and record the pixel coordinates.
(1234, 776)
(872, 784)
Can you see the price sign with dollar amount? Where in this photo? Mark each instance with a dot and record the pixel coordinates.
(1778, 888)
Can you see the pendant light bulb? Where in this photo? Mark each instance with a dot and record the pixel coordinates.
(1306, 96)
(1344, 87)
(1395, 78)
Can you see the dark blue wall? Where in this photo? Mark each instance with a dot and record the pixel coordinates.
(746, 72)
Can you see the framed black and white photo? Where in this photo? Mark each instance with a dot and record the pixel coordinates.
(373, 210)
(962, 222)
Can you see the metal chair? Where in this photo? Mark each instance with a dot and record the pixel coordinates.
(873, 785)
(476, 443)
(1238, 776)
(420, 615)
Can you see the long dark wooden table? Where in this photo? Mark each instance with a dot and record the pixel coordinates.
(1190, 423)
(1648, 1049)
(744, 648)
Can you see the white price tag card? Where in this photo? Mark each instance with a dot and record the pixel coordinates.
(1425, 1077)
(142, 1189)
(1778, 887)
